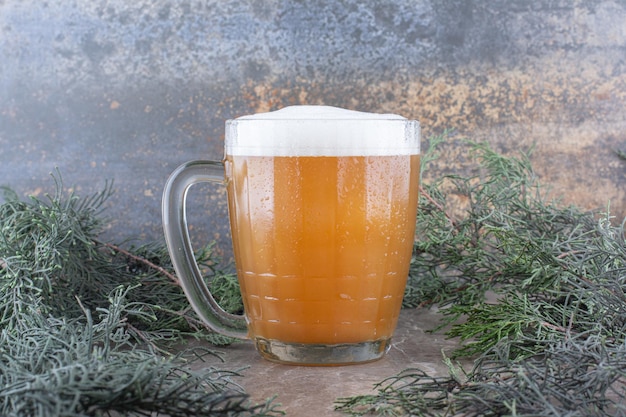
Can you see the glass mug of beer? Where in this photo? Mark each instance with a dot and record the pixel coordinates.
(322, 205)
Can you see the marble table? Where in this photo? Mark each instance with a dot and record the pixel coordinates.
(311, 391)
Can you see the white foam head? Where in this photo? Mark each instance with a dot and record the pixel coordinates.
(321, 131)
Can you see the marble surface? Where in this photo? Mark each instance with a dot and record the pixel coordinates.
(311, 391)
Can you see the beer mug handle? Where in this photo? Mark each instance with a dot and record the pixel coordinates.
(179, 246)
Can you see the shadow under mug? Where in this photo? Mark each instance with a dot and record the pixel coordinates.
(322, 228)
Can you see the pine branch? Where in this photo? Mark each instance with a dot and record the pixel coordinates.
(55, 359)
(549, 341)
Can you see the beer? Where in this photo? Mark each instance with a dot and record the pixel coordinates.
(322, 206)
(322, 243)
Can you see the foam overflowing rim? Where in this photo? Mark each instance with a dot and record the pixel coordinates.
(321, 131)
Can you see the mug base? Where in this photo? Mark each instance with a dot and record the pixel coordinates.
(322, 354)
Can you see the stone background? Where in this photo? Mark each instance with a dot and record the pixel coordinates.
(126, 91)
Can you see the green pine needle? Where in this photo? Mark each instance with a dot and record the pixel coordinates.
(535, 292)
(86, 326)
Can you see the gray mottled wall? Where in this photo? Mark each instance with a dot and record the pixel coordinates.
(129, 90)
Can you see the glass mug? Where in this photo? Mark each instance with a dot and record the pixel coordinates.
(322, 205)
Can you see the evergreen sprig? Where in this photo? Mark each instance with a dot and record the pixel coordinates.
(578, 376)
(57, 359)
(533, 289)
(60, 367)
